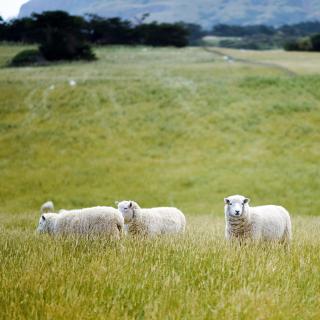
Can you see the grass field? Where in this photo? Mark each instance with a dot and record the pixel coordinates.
(196, 276)
(162, 127)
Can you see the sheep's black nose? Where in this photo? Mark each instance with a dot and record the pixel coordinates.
(237, 212)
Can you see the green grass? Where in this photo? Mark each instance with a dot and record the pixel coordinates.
(195, 276)
(162, 127)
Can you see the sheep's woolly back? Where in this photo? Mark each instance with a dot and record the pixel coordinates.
(47, 207)
(258, 223)
(152, 221)
(271, 223)
(96, 220)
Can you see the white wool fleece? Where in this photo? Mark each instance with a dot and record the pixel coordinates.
(268, 222)
(152, 221)
(96, 220)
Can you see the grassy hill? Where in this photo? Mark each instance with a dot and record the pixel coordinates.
(204, 12)
(164, 127)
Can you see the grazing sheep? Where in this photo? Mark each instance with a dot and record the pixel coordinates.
(257, 223)
(47, 207)
(153, 221)
(96, 220)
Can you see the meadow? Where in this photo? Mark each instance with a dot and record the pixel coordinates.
(179, 127)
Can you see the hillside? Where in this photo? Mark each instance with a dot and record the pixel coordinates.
(182, 127)
(162, 126)
(204, 12)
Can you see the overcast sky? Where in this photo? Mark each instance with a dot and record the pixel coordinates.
(10, 8)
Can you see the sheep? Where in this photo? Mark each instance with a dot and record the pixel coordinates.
(257, 223)
(152, 221)
(47, 207)
(95, 220)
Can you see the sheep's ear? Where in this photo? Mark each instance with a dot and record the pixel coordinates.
(43, 218)
(226, 201)
(130, 204)
(246, 200)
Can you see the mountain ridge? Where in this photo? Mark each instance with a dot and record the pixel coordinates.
(204, 12)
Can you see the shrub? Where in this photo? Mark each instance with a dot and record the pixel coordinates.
(305, 44)
(302, 44)
(292, 46)
(65, 47)
(315, 42)
(27, 57)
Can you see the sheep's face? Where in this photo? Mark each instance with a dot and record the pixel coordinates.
(43, 224)
(126, 209)
(235, 206)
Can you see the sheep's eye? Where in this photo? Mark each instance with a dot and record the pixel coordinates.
(230, 204)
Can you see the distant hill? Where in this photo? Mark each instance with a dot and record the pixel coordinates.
(204, 12)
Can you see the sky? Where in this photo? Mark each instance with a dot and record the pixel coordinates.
(10, 8)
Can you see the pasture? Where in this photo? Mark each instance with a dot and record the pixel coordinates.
(180, 127)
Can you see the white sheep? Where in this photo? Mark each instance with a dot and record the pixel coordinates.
(152, 221)
(258, 223)
(95, 220)
(47, 207)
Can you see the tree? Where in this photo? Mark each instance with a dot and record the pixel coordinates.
(195, 33)
(110, 31)
(3, 29)
(62, 36)
(20, 30)
(163, 34)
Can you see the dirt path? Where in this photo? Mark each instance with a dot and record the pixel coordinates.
(248, 61)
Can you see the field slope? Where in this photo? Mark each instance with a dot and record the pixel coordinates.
(164, 127)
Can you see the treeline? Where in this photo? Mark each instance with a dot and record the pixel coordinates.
(311, 43)
(94, 29)
(62, 36)
(291, 37)
(65, 36)
(300, 36)
(294, 30)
